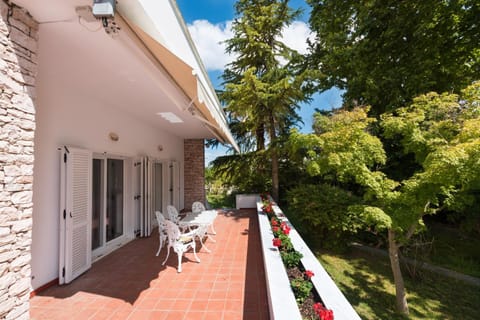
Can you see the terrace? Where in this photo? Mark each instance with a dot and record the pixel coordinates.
(131, 283)
(242, 278)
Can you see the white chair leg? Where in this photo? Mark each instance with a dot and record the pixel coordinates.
(168, 253)
(195, 252)
(213, 229)
(160, 245)
(179, 255)
(210, 237)
(203, 244)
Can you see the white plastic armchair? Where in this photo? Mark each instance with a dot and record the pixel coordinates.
(179, 242)
(162, 230)
(173, 214)
(197, 207)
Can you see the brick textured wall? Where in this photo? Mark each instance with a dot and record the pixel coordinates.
(194, 171)
(18, 67)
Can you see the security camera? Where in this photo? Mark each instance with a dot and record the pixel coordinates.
(103, 8)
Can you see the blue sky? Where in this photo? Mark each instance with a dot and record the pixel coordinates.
(208, 22)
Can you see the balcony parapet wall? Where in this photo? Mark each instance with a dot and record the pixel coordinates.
(282, 302)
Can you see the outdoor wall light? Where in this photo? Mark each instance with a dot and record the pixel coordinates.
(160, 147)
(103, 8)
(113, 136)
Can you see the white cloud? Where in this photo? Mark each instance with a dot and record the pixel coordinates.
(295, 36)
(209, 40)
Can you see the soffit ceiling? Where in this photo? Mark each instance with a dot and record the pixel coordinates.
(78, 60)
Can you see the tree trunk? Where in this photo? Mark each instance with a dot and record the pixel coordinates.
(275, 187)
(274, 155)
(260, 137)
(401, 296)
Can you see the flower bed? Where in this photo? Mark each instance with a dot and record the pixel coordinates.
(303, 280)
(300, 280)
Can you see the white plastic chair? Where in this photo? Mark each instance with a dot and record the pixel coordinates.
(180, 242)
(197, 207)
(173, 214)
(162, 230)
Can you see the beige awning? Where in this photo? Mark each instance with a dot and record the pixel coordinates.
(184, 76)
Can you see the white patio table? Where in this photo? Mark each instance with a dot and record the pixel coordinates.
(201, 221)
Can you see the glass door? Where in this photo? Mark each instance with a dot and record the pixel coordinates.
(97, 203)
(107, 201)
(157, 187)
(114, 214)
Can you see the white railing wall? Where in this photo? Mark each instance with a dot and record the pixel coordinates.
(281, 299)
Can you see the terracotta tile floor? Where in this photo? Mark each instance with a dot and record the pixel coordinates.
(131, 283)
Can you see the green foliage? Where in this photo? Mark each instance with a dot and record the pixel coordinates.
(372, 216)
(287, 246)
(261, 94)
(264, 84)
(321, 212)
(440, 130)
(291, 258)
(244, 173)
(301, 288)
(384, 53)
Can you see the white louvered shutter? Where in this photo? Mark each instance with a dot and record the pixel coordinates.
(175, 184)
(76, 213)
(146, 206)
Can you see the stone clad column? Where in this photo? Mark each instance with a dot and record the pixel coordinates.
(18, 67)
(194, 171)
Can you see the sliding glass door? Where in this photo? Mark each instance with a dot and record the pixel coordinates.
(108, 193)
(114, 212)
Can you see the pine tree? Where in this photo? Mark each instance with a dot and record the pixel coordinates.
(262, 85)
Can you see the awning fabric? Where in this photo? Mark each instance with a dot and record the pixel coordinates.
(184, 77)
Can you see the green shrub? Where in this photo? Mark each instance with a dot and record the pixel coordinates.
(320, 213)
(301, 288)
(291, 259)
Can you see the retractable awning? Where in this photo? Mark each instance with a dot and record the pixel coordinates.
(201, 105)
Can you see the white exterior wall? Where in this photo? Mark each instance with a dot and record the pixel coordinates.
(63, 121)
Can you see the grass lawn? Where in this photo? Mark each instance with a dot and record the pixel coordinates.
(367, 283)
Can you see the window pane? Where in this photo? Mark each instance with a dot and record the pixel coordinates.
(114, 225)
(158, 187)
(97, 203)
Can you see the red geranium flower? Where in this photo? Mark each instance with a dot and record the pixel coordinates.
(285, 228)
(322, 312)
(267, 208)
(274, 222)
(326, 314)
(275, 229)
(309, 274)
(317, 307)
(277, 242)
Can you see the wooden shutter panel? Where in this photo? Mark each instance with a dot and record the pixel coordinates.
(174, 183)
(76, 213)
(146, 199)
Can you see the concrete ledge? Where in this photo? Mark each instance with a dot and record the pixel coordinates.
(281, 299)
(246, 201)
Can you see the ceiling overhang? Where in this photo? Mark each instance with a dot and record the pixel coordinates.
(140, 67)
(201, 105)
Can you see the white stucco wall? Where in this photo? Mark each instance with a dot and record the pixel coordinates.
(63, 119)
